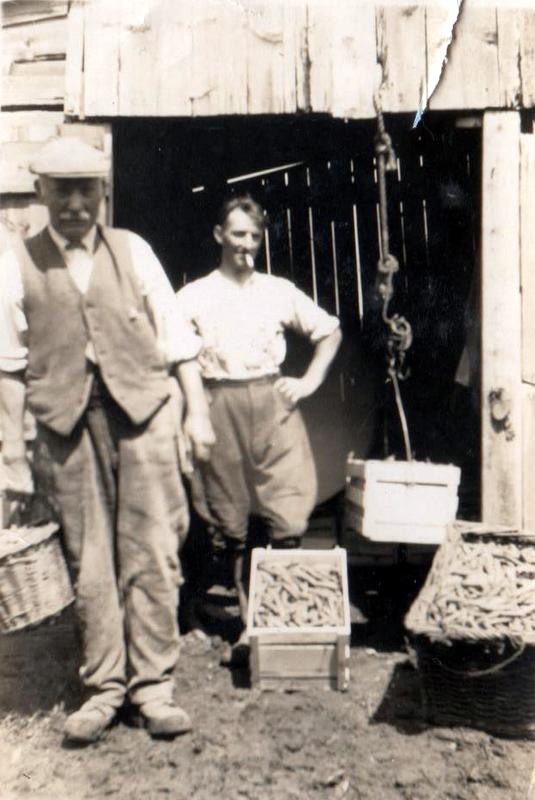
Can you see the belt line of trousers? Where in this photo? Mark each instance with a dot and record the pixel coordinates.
(122, 506)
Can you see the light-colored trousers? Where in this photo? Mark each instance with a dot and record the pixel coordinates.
(122, 507)
(261, 463)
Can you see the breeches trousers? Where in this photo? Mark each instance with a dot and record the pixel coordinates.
(261, 463)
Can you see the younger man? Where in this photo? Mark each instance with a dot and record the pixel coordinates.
(261, 461)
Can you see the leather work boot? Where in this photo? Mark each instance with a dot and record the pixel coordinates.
(164, 718)
(89, 723)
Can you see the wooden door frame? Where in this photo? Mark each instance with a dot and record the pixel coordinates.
(501, 329)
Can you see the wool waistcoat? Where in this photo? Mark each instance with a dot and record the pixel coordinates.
(61, 321)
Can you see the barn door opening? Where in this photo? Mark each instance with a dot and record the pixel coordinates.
(317, 179)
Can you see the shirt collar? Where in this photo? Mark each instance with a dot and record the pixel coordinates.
(251, 278)
(88, 240)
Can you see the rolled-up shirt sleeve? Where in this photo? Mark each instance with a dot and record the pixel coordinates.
(176, 339)
(306, 317)
(13, 325)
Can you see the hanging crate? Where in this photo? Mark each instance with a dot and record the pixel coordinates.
(299, 625)
(409, 502)
(472, 631)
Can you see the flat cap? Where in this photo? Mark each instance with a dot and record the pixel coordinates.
(70, 157)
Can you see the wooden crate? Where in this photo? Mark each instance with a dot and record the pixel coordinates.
(297, 658)
(411, 502)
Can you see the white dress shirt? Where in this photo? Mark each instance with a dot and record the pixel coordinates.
(242, 325)
(174, 337)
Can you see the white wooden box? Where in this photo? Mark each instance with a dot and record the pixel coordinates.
(305, 656)
(401, 501)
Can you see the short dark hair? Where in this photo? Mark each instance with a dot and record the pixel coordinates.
(247, 204)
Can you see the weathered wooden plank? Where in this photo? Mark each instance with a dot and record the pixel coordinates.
(527, 56)
(274, 191)
(37, 69)
(102, 38)
(527, 280)
(95, 135)
(528, 456)
(298, 197)
(221, 81)
(74, 60)
(500, 323)
(139, 55)
(187, 82)
(34, 41)
(439, 24)
(171, 96)
(213, 57)
(509, 78)
(298, 661)
(15, 176)
(343, 60)
(355, 67)
(527, 254)
(40, 90)
(272, 52)
(342, 240)
(35, 126)
(15, 13)
(401, 49)
(471, 78)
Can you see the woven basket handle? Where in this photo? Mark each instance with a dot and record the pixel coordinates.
(478, 673)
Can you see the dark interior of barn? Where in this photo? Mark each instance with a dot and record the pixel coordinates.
(316, 177)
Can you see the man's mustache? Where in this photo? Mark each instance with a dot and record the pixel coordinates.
(83, 216)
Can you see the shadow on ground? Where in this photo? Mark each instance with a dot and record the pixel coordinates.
(401, 705)
(38, 667)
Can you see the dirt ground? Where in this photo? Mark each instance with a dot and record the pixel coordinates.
(370, 743)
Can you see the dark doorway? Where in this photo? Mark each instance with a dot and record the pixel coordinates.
(316, 177)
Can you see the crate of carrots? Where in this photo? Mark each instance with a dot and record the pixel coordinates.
(472, 631)
(298, 625)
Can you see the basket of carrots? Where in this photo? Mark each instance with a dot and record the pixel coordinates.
(472, 631)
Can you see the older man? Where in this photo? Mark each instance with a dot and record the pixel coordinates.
(262, 461)
(89, 332)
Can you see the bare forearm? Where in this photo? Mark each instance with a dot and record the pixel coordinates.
(12, 404)
(189, 377)
(322, 359)
(197, 426)
(17, 474)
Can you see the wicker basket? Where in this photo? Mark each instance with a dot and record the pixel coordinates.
(34, 581)
(487, 686)
(480, 679)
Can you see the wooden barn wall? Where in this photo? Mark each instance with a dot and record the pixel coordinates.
(212, 57)
(527, 281)
(34, 35)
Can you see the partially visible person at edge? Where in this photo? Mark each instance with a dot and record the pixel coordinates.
(89, 334)
(261, 461)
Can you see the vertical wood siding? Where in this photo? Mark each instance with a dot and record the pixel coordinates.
(212, 57)
(501, 321)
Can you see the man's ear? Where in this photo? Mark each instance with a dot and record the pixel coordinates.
(218, 234)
